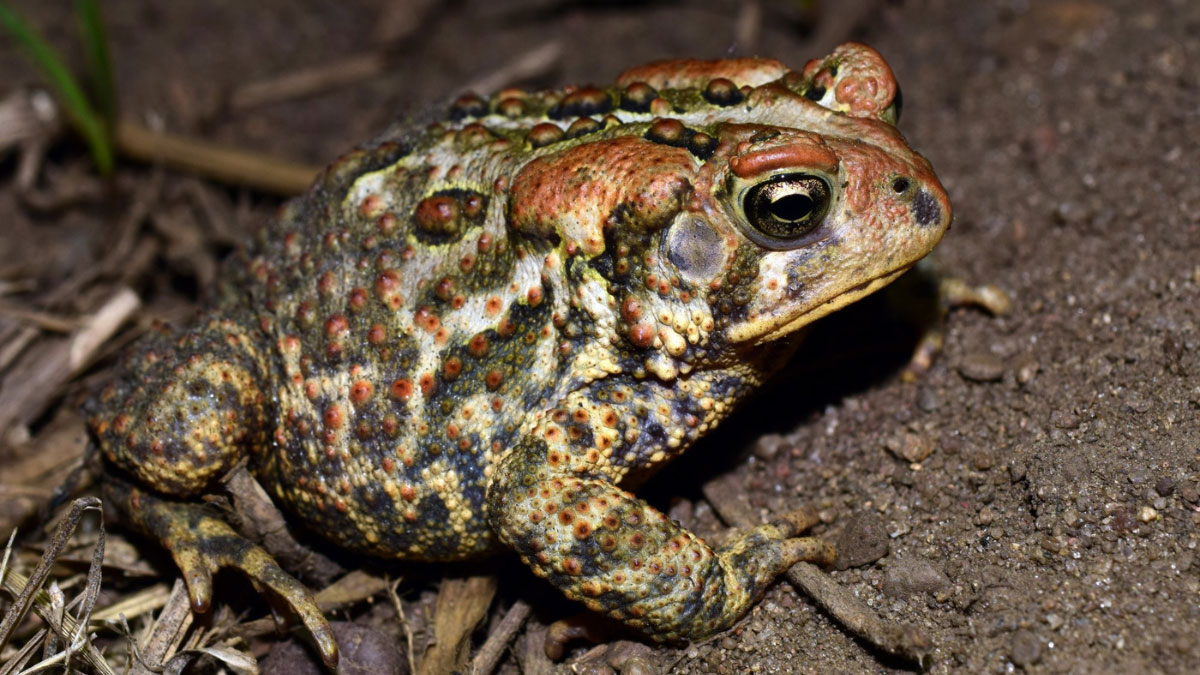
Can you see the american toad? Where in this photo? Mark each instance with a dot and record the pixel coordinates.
(465, 338)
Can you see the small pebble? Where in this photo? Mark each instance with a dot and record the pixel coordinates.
(1055, 543)
(1026, 649)
(862, 542)
(912, 576)
(632, 658)
(981, 366)
(1026, 371)
(982, 458)
(1189, 494)
(928, 400)
(1138, 402)
(1016, 471)
(682, 511)
(1063, 419)
(768, 446)
(910, 447)
(1164, 486)
(985, 517)
(1070, 517)
(1172, 347)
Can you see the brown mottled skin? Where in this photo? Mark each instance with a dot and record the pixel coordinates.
(466, 338)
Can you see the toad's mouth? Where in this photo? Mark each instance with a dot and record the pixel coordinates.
(774, 327)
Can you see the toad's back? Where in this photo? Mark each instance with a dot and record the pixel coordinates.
(411, 331)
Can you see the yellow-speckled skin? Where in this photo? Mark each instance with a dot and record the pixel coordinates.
(465, 338)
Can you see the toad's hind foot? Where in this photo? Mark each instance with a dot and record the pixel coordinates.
(201, 543)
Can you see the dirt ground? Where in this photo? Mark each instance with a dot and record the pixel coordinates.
(1053, 524)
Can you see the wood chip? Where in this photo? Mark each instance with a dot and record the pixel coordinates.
(38, 378)
(461, 605)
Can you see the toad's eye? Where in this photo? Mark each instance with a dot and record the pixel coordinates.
(787, 207)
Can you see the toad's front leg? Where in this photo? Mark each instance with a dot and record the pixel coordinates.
(616, 554)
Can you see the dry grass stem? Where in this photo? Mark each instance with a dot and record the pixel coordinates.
(410, 652)
(227, 165)
(308, 81)
(16, 344)
(353, 588)
(43, 320)
(136, 604)
(27, 593)
(528, 65)
(747, 25)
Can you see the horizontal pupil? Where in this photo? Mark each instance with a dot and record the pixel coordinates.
(792, 207)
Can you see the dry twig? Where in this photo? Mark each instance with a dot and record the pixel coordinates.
(43, 320)
(489, 654)
(904, 640)
(263, 522)
(532, 654)
(397, 21)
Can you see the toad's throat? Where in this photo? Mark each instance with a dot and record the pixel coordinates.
(774, 327)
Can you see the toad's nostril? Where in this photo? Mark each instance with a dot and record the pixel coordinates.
(926, 209)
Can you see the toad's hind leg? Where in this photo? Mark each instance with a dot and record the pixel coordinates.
(186, 409)
(189, 408)
(616, 554)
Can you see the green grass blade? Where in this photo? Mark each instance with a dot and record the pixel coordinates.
(63, 84)
(99, 63)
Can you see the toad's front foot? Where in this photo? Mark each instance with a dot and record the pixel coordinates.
(761, 552)
(201, 543)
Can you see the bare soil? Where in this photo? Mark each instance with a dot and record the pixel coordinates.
(1053, 525)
